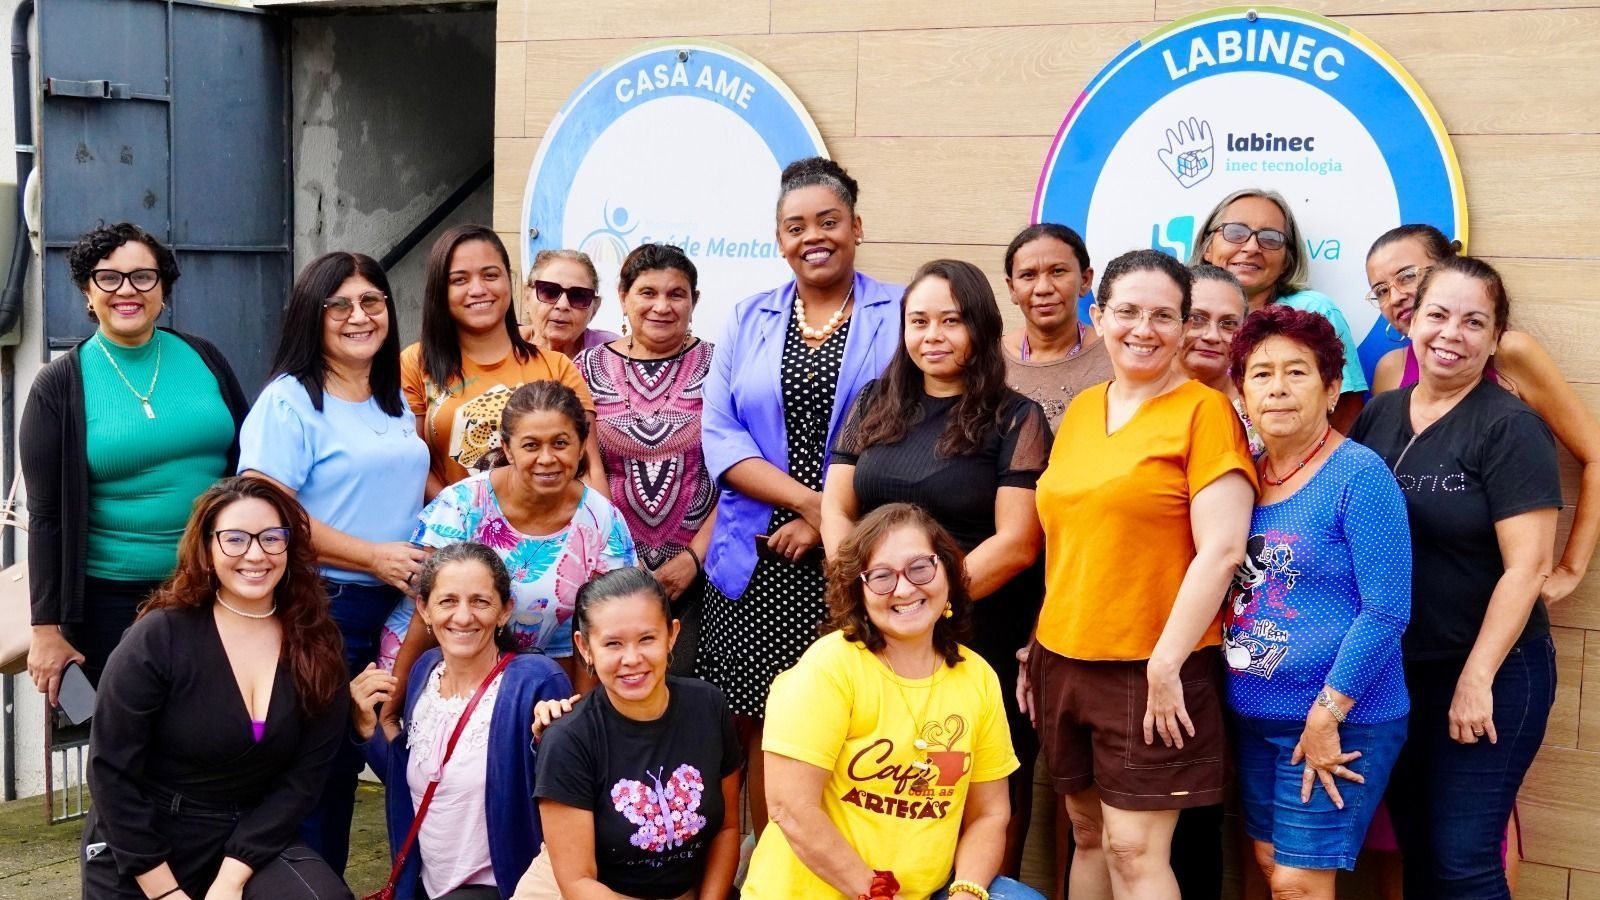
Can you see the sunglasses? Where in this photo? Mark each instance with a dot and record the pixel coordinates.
(1238, 233)
(577, 297)
(883, 579)
(340, 308)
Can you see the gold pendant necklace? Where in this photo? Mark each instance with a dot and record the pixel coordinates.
(923, 764)
(144, 398)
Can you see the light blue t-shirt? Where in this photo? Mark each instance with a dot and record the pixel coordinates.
(1355, 380)
(1324, 596)
(355, 468)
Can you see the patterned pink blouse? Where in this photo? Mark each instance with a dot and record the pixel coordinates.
(649, 432)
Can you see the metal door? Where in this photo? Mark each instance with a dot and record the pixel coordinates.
(174, 115)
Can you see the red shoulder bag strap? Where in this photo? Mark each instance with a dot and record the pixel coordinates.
(427, 795)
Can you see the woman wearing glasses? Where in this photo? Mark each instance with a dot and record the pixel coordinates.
(564, 295)
(1217, 309)
(1253, 235)
(332, 429)
(648, 391)
(942, 430)
(472, 355)
(238, 639)
(118, 437)
(886, 746)
(1145, 507)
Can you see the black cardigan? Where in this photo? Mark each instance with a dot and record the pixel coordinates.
(169, 719)
(53, 447)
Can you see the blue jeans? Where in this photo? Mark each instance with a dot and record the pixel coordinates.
(1001, 888)
(1450, 801)
(360, 611)
(1318, 834)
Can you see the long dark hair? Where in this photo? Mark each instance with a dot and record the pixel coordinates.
(471, 552)
(847, 600)
(896, 402)
(311, 640)
(441, 341)
(300, 351)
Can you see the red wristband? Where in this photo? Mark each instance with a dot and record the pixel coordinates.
(884, 885)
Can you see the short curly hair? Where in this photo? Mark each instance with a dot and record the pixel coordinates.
(102, 240)
(1309, 329)
(847, 601)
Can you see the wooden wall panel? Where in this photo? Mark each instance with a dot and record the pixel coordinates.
(952, 190)
(1545, 48)
(1166, 10)
(1559, 814)
(1563, 728)
(1536, 882)
(635, 19)
(819, 68)
(1584, 886)
(510, 78)
(512, 157)
(1532, 195)
(880, 15)
(981, 81)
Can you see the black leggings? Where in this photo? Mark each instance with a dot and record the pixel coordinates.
(197, 836)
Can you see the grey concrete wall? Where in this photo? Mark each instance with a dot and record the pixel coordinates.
(29, 706)
(392, 113)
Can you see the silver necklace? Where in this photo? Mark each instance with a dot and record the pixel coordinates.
(144, 398)
(248, 615)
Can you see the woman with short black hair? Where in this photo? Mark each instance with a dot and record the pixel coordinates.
(118, 437)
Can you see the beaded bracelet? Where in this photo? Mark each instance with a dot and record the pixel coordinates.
(969, 887)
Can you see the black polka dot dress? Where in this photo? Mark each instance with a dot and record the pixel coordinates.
(745, 643)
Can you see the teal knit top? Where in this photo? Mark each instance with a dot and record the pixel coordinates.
(145, 473)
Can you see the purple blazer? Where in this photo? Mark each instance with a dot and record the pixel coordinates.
(743, 413)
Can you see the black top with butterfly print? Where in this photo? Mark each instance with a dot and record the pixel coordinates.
(655, 788)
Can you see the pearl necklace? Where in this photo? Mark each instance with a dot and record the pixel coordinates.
(821, 334)
(248, 615)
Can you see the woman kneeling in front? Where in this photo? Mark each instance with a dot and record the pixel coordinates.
(886, 745)
(459, 787)
(625, 786)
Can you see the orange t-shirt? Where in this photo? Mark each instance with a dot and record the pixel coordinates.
(1115, 511)
(462, 425)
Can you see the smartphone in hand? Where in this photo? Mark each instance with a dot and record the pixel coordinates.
(75, 698)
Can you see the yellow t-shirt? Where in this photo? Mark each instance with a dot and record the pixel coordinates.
(462, 425)
(1115, 511)
(841, 709)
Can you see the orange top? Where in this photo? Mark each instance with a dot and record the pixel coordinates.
(1115, 511)
(462, 424)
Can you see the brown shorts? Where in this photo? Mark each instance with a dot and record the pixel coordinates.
(1091, 731)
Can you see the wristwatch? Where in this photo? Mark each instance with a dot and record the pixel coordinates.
(1326, 701)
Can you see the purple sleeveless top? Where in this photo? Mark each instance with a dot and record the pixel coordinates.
(1412, 373)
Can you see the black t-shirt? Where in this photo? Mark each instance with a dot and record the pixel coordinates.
(655, 788)
(959, 492)
(1488, 459)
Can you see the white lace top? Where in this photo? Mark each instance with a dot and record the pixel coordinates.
(454, 838)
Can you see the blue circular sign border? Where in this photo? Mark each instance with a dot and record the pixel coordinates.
(774, 113)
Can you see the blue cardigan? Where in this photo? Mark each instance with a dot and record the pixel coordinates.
(743, 411)
(514, 833)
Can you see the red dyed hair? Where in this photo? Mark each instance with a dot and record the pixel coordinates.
(311, 641)
(1308, 329)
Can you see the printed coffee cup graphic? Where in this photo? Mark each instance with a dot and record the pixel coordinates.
(952, 764)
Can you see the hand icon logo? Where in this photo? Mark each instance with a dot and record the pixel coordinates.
(1189, 154)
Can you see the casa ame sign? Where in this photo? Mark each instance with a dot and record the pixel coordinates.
(677, 142)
